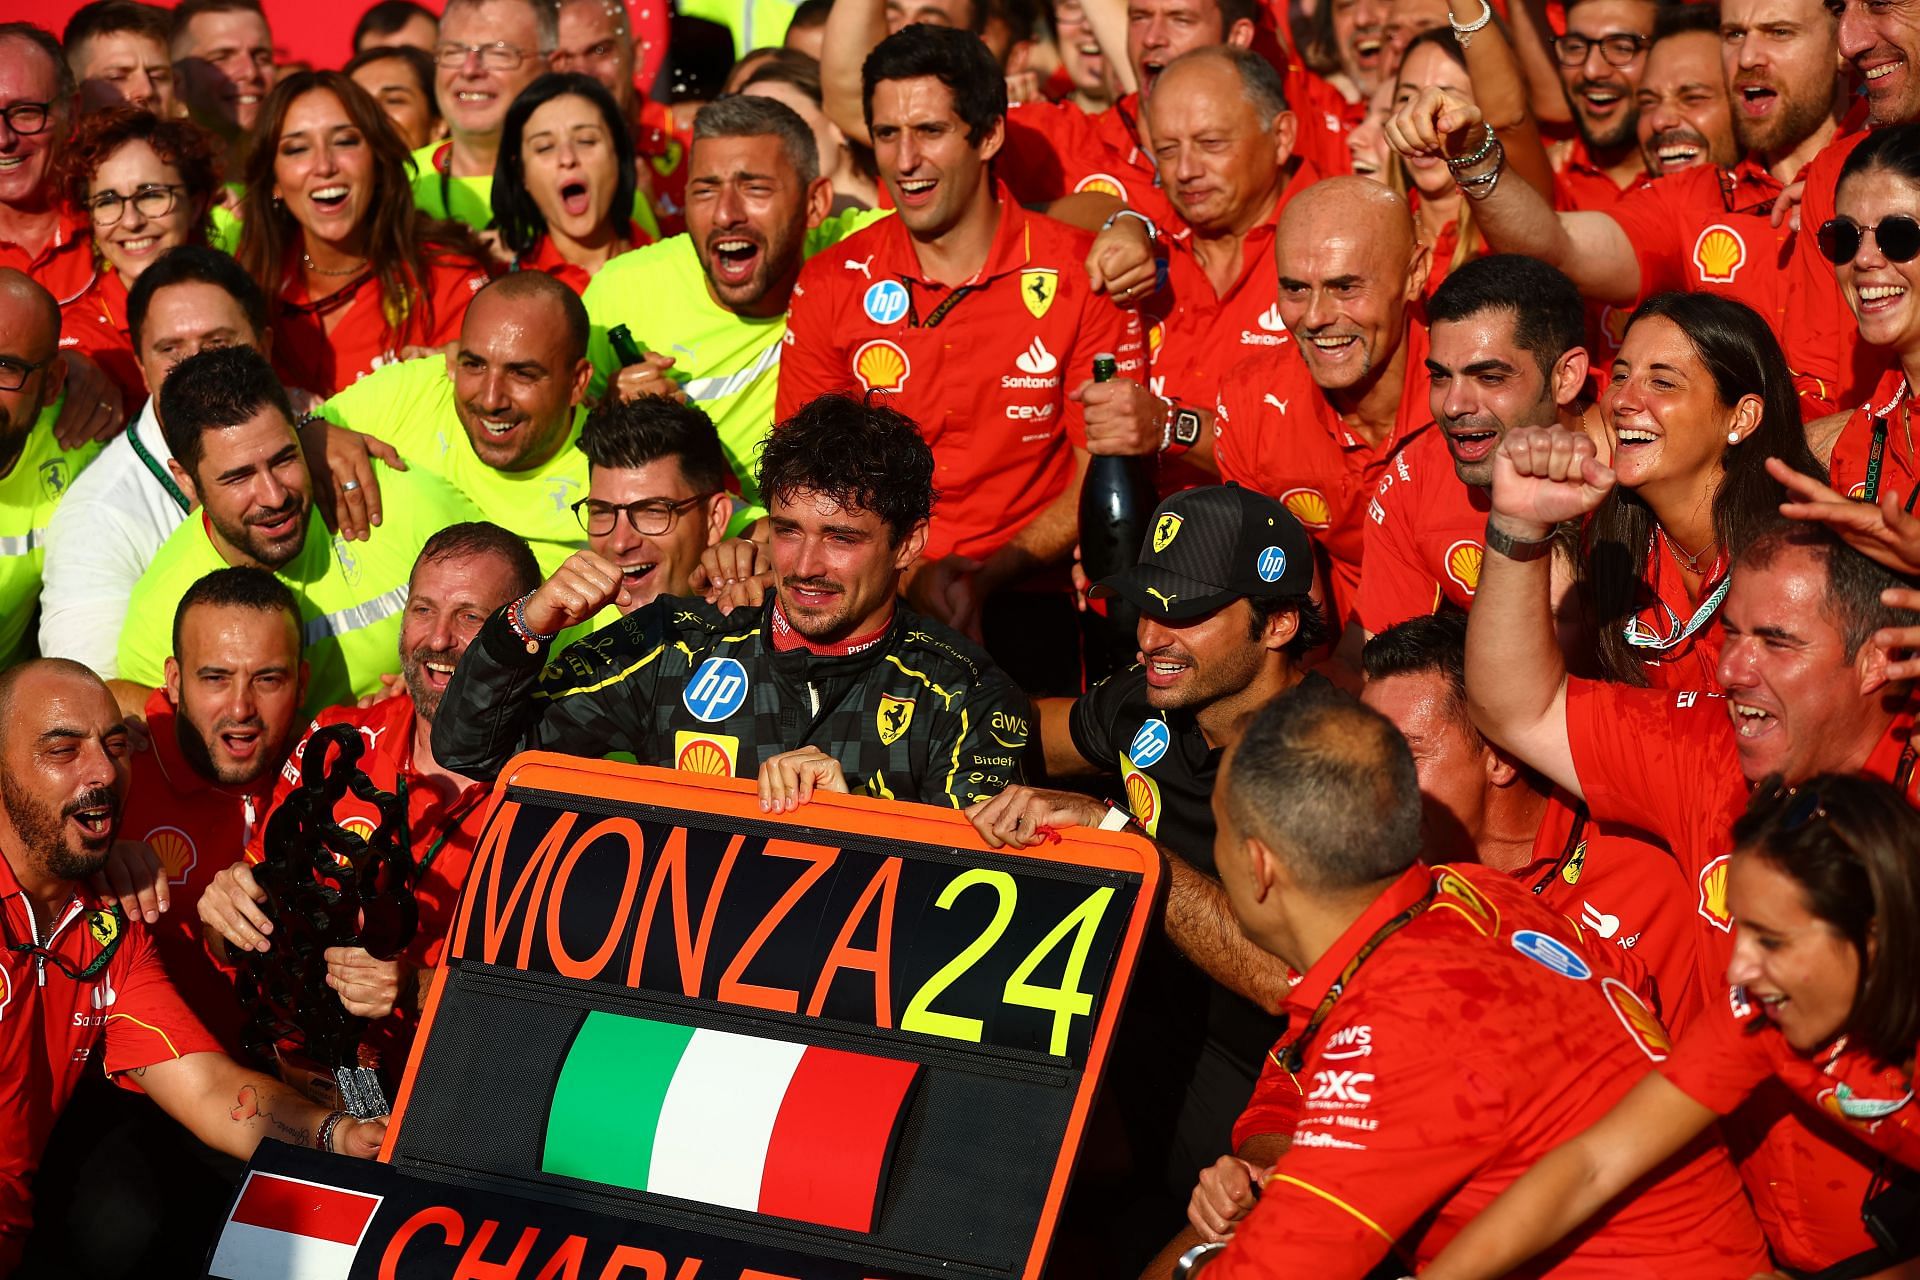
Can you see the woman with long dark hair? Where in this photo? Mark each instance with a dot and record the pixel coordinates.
(146, 185)
(1697, 400)
(356, 275)
(1824, 888)
(564, 181)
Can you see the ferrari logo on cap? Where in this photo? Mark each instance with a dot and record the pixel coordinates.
(1037, 289)
(1165, 529)
(893, 717)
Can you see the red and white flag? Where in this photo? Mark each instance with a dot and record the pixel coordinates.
(286, 1229)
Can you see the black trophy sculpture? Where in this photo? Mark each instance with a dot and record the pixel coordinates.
(327, 887)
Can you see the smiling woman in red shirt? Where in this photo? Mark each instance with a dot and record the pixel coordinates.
(146, 185)
(1824, 886)
(563, 185)
(1697, 400)
(355, 273)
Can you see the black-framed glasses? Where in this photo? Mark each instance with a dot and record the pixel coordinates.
(1797, 806)
(28, 118)
(1619, 48)
(14, 373)
(1897, 235)
(155, 200)
(649, 518)
(497, 56)
(108, 926)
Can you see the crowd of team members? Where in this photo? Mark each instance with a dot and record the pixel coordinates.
(1557, 365)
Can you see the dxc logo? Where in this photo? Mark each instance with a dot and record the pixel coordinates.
(1341, 1086)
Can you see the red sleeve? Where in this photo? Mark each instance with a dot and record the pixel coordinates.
(1393, 584)
(1656, 760)
(1040, 136)
(82, 329)
(810, 359)
(256, 850)
(453, 282)
(1654, 218)
(1236, 428)
(1275, 1106)
(148, 1021)
(1720, 1060)
(1103, 327)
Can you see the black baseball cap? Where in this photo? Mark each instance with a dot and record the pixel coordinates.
(1210, 546)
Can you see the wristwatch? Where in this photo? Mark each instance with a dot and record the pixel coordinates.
(1182, 429)
(1519, 549)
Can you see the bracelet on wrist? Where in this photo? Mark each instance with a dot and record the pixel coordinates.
(517, 623)
(1517, 548)
(1492, 140)
(1153, 232)
(323, 1136)
(1464, 32)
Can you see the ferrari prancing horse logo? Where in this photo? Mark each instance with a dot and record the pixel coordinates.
(1165, 529)
(1037, 289)
(893, 717)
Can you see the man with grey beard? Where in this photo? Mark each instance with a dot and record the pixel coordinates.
(464, 574)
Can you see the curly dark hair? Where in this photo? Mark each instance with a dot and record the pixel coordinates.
(860, 453)
(181, 143)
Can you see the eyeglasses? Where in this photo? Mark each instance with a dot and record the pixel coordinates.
(650, 518)
(108, 927)
(155, 200)
(14, 373)
(1619, 49)
(28, 118)
(498, 56)
(1897, 235)
(1797, 806)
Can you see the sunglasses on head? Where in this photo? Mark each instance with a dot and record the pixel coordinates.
(1897, 235)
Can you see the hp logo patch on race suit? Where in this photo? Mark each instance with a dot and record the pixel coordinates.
(1553, 953)
(1150, 743)
(1271, 564)
(716, 689)
(886, 302)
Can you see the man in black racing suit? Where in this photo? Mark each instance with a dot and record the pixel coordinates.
(832, 684)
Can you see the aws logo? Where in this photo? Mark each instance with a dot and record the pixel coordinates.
(1718, 254)
(1713, 894)
(1463, 564)
(882, 366)
(1309, 507)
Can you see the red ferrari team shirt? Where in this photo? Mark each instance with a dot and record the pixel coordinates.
(1395, 1149)
(64, 268)
(1736, 1050)
(1274, 431)
(1709, 230)
(1832, 368)
(1665, 763)
(444, 820)
(1580, 184)
(196, 828)
(546, 257)
(95, 325)
(1627, 894)
(1425, 536)
(1852, 464)
(984, 368)
(1195, 334)
(51, 1024)
(1678, 637)
(322, 345)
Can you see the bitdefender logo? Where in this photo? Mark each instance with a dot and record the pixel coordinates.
(1037, 367)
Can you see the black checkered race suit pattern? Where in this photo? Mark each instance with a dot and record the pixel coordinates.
(922, 714)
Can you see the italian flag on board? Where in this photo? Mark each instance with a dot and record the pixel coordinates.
(771, 1126)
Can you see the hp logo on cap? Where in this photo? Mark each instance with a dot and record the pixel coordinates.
(1271, 564)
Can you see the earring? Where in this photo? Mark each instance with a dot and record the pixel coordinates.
(1733, 437)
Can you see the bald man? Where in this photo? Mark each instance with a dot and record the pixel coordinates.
(64, 761)
(34, 469)
(496, 417)
(1313, 420)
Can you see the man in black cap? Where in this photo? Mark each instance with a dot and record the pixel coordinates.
(1226, 624)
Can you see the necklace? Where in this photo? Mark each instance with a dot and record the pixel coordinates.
(355, 270)
(1691, 563)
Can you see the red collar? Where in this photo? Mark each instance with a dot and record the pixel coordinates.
(1414, 884)
(786, 639)
(183, 779)
(1008, 253)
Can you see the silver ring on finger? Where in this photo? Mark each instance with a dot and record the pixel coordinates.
(348, 486)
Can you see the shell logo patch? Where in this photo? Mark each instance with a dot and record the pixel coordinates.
(1859, 492)
(1037, 290)
(1165, 530)
(893, 717)
(713, 754)
(1143, 795)
(1156, 334)
(1713, 894)
(1309, 507)
(1637, 1019)
(1614, 321)
(1463, 564)
(882, 366)
(1103, 183)
(1719, 253)
(175, 850)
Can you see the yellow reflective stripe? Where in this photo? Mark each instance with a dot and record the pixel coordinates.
(1291, 1078)
(164, 1037)
(955, 771)
(923, 678)
(615, 678)
(1333, 1200)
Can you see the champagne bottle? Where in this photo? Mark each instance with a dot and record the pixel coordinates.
(625, 349)
(1117, 502)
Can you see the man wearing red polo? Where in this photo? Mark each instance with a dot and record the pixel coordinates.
(38, 234)
(1313, 420)
(975, 315)
(219, 729)
(1318, 811)
(1806, 693)
(1505, 351)
(464, 573)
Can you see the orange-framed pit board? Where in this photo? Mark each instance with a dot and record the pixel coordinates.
(847, 1042)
